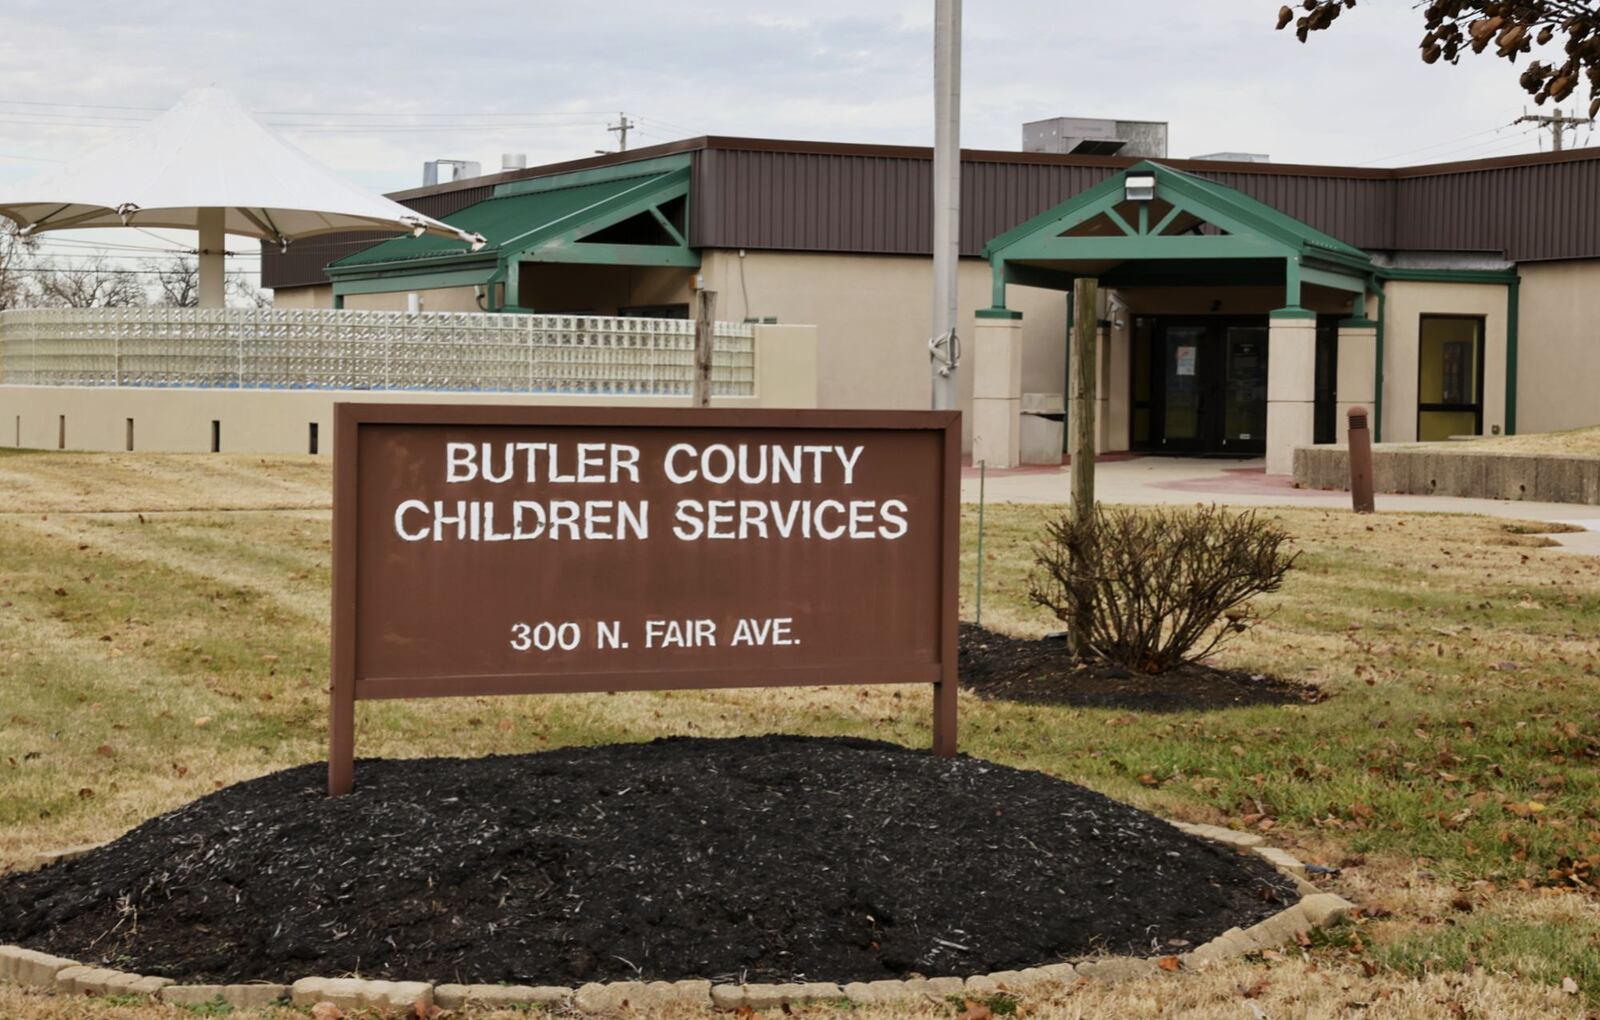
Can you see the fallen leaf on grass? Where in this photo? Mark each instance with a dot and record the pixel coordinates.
(1569, 986)
(975, 1011)
(1169, 963)
(203, 721)
(105, 751)
(1256, 990)
(421, 1010)
(326, 1011)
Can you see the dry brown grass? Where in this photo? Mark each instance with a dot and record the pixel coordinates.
(1583, 442)
(118, 482)
(192, 648)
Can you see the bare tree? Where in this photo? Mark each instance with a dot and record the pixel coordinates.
(177, 281)
(14, 278)
(1512, 27)
(242, 293)
(89, 284)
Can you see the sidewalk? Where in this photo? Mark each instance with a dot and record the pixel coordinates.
(1182, 480)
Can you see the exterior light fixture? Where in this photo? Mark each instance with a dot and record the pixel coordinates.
(1139, 187)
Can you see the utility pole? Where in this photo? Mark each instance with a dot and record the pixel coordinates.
(621, 129)
(944, 349)
(1557, 122)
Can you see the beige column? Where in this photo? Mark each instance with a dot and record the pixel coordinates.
(1291, 386)
(1102, 389)
(1118, 416)
(997, 388)
(212, 291)
(1358, 371)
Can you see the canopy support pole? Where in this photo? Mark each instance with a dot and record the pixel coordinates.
(213, 293)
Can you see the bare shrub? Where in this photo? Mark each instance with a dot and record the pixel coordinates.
(1164, 586)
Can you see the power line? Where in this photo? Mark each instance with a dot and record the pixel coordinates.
(102, 271)
(123, 256)
(81, 106)
(1436, 145)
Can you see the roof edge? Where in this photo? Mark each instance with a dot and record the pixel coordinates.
(921, 152)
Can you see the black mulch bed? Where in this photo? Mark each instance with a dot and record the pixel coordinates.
(768, 859)
(1043, 671)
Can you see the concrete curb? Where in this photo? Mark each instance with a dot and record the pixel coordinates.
(1317, 909)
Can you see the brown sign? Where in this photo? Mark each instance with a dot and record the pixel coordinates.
(522, 550)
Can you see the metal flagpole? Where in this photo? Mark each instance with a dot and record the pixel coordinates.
(944, 348)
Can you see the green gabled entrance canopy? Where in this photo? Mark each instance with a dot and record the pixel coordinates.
(1191, 232)
(634, 214)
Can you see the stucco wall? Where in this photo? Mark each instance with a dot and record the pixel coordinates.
(447, 299)
(303, 297)
(1558, 346)
(874, 316)
(1407, 303)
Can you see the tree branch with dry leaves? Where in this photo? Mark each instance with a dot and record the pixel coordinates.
(1510, 27)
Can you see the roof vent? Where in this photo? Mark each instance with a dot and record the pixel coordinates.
(1235, 157)
(445, 171)
(1090, 136)
(513, 161)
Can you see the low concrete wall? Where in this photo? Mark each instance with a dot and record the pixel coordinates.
(1431, 469)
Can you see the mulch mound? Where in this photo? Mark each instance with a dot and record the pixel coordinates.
(1043, 671)
(763, 859)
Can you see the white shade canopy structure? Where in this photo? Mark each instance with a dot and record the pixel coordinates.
(209, 165)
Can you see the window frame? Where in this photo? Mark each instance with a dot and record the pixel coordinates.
(1481, 355)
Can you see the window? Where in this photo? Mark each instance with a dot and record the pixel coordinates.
(1449, 377)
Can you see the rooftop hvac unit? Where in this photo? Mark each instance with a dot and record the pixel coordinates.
(513, 161)
(444, 171)
(1092, 136)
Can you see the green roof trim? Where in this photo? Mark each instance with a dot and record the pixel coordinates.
(560, 221)
(1250, 228)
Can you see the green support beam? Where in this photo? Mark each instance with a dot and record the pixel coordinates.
(1513, 310)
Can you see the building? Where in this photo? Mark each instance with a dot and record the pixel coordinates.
(1245, 305)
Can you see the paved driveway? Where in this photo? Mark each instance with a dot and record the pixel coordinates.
(1178, 480)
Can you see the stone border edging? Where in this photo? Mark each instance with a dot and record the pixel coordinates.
(1316, 909)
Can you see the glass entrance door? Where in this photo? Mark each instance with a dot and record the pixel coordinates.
(1184, 402)
(1244, 390)
(1207, 386)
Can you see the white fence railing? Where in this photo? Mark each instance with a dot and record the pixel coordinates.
(360, 350)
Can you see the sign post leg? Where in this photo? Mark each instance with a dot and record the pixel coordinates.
(944, 716)
(341, 741)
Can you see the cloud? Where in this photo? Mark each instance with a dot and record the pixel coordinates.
(361, 85)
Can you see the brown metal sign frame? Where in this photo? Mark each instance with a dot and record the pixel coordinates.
(350, 685)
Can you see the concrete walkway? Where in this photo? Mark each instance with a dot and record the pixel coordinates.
(1183, 480)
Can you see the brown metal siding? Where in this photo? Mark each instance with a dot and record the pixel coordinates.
(811, 202)
(833, 202)
(302, 265)
(1533, 212)
(880, 203)
(803, 196)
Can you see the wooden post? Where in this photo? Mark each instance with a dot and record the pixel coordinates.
(1085, 347)
(703, 342)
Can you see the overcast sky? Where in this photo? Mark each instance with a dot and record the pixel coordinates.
(375, 88)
